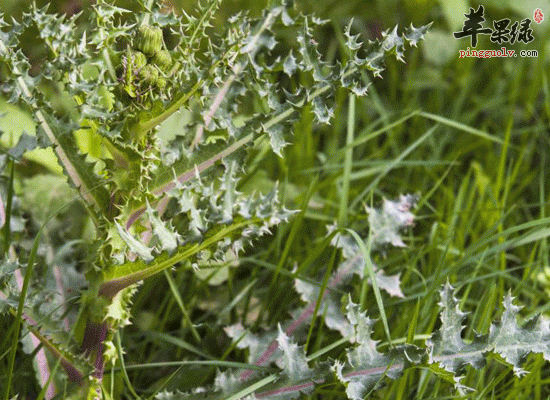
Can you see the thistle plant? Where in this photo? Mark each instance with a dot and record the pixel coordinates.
(158, 120)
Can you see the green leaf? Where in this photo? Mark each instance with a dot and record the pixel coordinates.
(25, 143)
(14, 122)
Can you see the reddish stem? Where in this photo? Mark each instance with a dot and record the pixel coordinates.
(94, 338)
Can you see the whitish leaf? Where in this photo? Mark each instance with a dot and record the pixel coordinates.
(386, 223)
(355, 264)
(366, 365)
(198, 393)
(446, 345)
(506, 338)
(322, 112)
(227, 382)
(362, 331)
(514, 343)
(166, 235)
(414, 35)
(256, 343)
(295, 370)
(134, 245)
(329, 307)
(276, 138)
(294, 358)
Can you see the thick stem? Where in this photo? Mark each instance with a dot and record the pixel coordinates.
(93, 343)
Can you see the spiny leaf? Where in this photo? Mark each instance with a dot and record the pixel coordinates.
(135, 245)
(505, 338)
(354, 264)
(295, 368)
(23, 90)
(166, 235)
(414, 35)
(447, 341)
(25, 143)
(445, 354)
(514, 343)
(254, 342)
(217, 240)
(370, 365)
(386, 223)
(329, 307)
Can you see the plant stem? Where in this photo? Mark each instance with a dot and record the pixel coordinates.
(94, 338)
(343, 209)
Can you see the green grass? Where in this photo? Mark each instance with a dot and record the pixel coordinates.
(469, 136)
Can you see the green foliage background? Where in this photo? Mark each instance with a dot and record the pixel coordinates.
(482, 176)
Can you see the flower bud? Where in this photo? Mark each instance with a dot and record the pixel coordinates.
(149, 39)
(163, 60)
(161, 82)
(140, 59)
(148, 75)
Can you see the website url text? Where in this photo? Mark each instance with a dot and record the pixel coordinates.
(503, 52)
